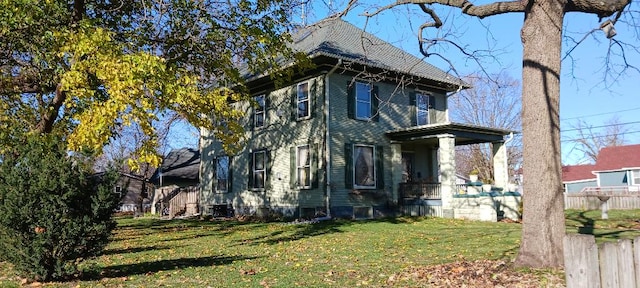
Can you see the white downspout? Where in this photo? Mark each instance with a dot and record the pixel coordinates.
(327, 152)
(446, 115)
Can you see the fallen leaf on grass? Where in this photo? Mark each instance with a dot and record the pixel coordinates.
(248, 272)
(480, 274)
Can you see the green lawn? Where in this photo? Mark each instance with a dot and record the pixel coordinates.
(147, 252)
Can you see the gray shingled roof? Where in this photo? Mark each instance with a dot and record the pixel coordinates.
(179, 165)
(339, 39)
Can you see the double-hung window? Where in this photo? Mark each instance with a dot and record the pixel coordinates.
(364, 168)
(363, 101)
(303, 166)
(422, 109)
(118, 190)
(302, 101)
(258, 169)
(259, 114)
(222, 174)
(635, 174)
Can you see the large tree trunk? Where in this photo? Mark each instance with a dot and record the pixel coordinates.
(543, 226)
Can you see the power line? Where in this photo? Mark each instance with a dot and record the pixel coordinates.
(602, 126)
(600, 114)
(598, 136)
(592, 127)
(578, 139)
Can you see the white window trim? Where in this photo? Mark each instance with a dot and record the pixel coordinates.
(634, 176)
(264, 170)
(263, 112)
(355, 101)
(307, 166)
(308, 100)
(373, 159)
(216, 174)
(425, 96)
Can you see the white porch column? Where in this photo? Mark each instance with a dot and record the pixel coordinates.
(500, 165)
(396, 170)
(447, 161)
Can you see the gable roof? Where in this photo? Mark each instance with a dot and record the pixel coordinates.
(618, 157)
(339, 39)
(577, 172)
(179, 165)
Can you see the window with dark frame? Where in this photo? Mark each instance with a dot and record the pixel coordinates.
(303, 167)
(259, 169)
(364, 174)
(303, 100)
(259, 115)
(422, 109)
(222, 174)
(363, 101)
(118, 190)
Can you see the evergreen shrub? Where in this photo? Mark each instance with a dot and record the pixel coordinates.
(54, 212)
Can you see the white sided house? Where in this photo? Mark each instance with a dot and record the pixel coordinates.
(363, 134)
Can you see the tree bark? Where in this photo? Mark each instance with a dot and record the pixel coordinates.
(543, 226)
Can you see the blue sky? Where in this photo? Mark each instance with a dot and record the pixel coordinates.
(584, 95)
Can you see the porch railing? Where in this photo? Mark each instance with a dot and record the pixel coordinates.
(184, 202)
(420, 190)
(460, 189)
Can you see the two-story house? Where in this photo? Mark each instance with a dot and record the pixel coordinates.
(354, 137)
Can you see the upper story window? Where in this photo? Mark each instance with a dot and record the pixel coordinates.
(362, 101)
(303, 101)
(422, 109)
(421, 104)
(222, 174)
(259, 114)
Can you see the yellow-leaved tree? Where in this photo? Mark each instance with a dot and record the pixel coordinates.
(88, 69)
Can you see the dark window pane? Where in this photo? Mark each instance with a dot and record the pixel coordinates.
(363, 110)
(363, 92)
(364, 166)
(303, 91)
(261, 103)
(303, 109)
(258, 179)
(303, 177)
(259, 161)
(259, 119)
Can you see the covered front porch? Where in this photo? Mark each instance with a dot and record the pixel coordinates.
(424, 179)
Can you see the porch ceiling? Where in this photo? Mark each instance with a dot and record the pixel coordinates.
(464, 133)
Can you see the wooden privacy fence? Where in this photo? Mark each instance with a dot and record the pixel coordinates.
(184, 202)
(607, 265)
(590, 201)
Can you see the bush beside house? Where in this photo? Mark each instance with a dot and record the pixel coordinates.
(53, 214)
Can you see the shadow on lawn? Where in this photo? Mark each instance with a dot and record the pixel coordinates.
(588, 226)
(308, 230)
(161, 265)
(137, 249)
